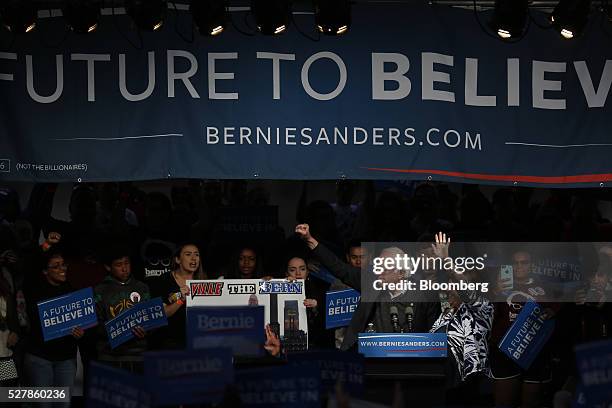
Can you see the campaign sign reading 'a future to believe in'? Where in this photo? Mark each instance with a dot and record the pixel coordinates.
(148, 315)
(340, 306)
(58, 316)
(279, 387)
(189, 377)
(403, 344)
(594, 362)
(335, 367)
(526, 337)
(240, 328)
(110, 387)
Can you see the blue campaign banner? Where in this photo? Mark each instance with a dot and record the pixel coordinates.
(58, 316)
(112, 387)
(582, 399)
(594, 362)
(148, 315)
(241, 328)
(340, 306)
(404, 345)
(527, 335)
(334, 367)
(279, 387)
(189, 377)
(454, 103)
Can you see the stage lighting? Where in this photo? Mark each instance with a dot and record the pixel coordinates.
(271, 16)
(209, 16)
(147, 14)
(510, 18)
(18, 16)
(570, 17)
(333, 17)
(83, 16)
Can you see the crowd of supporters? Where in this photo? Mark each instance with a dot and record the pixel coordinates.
(131, 246)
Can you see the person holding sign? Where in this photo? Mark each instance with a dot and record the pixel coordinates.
(173, 290)
(51, 363)
(118, 292)
(514, 384)
(318, 335)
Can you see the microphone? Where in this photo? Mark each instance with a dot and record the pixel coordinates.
(395, 319)
(410, 316)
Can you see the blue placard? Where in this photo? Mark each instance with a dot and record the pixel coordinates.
(431, 345)
(280, 387)
(323, 274)
(334, 367)
(189, 377)
(58, 316)
(240, 328)
(526, 337)
(148, 315)
(594, 362)
(340, 306)
(112, 387)
(583, 399)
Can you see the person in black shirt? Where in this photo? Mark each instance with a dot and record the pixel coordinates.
(173, 290)
(318, 335)
(53, 362)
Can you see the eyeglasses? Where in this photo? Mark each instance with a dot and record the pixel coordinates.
(58, 266)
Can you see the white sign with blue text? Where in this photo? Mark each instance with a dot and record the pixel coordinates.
(283, 300)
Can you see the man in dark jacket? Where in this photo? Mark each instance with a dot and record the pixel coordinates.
(422, 314)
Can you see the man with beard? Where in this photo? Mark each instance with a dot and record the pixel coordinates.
(374, 315)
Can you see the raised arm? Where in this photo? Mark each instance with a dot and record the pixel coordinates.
(346, 273)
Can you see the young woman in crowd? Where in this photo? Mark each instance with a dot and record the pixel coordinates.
(53, 362)
(173, 290)
(9, 327)
(245, 264)
(318, 335)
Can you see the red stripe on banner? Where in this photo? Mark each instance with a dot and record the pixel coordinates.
(582, 178)
(418, 351)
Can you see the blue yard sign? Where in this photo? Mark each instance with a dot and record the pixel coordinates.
(189, 377)
(594, 362)
(240, 328)
(340, 306)
(527, 335)
(58, 316)
(148, 315)
(403, 345)
(279, 387)
(335, 367)
(110, 387)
